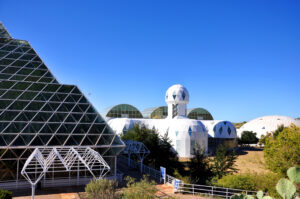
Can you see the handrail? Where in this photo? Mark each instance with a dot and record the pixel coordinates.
(186, 187)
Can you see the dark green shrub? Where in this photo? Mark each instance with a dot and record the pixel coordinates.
(102, 189)
(5, 194)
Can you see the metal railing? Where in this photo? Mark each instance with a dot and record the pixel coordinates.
(186, 188)
(196, 189)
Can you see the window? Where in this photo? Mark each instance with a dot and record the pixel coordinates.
(178, 146)
(192, 147)
(190, 131)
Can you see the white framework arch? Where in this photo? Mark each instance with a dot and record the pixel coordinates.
(63, 159)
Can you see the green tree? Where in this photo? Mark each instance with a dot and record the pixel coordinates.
(223, 162)
(248, 137)
(161, 153)
(283, 151)
(200, 169)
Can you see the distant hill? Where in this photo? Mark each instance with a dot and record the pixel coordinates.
(238, 125)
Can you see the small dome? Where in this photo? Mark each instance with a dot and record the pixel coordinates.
(177, 94)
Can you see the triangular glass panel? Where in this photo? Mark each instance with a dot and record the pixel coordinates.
(8, 138)
(62, 138)
(19, 142)
(45, 138)
(54, 105)
(47, 107)
(62, 129)
(21, 117)
(87, 142)
(54, 142)
(46, 129)
(76, 91)
(2, 142)
(27, 138)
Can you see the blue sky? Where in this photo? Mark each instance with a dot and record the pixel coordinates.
(238, 59)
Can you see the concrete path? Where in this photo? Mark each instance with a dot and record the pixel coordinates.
(52, 196)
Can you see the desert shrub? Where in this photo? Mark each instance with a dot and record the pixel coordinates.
(102, 189)
(144, 189)
(283, 150)
(5, 194)
(251, 181)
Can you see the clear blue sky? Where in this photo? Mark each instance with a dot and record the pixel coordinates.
(238, 59)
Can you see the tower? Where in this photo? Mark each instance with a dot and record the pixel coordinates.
(177, 97)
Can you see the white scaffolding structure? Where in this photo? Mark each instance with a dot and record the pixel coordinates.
(63, 159)
(136, 148)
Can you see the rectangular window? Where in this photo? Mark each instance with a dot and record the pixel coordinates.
(192, 147)
(178, 145)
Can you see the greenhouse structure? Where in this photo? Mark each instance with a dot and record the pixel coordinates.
(38, 112)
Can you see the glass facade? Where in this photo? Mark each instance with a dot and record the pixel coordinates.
(37, 111)
(123, 110)
(199, 114)
(160, 112)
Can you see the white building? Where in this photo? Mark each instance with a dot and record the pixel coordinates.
(183, 132)
(267, 124)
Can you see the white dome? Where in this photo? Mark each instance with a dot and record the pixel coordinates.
(177, 94)
(263, 125)
(220, 129)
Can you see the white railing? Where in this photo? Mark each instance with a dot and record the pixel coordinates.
(211, 190)
(185, 188)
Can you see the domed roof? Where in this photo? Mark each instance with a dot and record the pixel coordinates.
(220, 128)
(265, 124)
(177, 94)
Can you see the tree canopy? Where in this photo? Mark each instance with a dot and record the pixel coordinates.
(283, 151)
(248, 137)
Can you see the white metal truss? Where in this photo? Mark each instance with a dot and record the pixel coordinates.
(136, 148)
(63, 159)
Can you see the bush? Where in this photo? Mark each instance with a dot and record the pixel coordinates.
(5, 194)
(143, 189)
(283, 150)
(102, 189)
(251, 181)
(248, 137)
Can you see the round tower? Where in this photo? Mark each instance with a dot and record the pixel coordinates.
(177, 97)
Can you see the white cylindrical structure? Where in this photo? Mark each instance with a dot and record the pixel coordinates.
(177, 97)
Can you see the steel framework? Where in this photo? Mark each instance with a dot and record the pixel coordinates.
(136, 148)
(63, 159)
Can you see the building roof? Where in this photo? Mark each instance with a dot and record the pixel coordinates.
(199, 114)
(122, 111)
(36, 110)
(159, 112)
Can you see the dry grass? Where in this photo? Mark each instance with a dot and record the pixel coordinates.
(252, 161)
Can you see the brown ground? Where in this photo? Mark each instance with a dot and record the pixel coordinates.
(251, 161)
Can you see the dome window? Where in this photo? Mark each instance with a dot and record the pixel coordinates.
(176, 132)
(229, 131)
(124, 130)
(225, 123)
(166, 96)
(263, 127)
(174, 95)
(190, 131)
(220, 130)
(183, 95)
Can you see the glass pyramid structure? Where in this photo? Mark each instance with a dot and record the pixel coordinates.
(37, 111)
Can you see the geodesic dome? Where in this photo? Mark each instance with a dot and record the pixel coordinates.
(263, 125)
(177, 94)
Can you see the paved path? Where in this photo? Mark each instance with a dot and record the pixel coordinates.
(52, 196)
